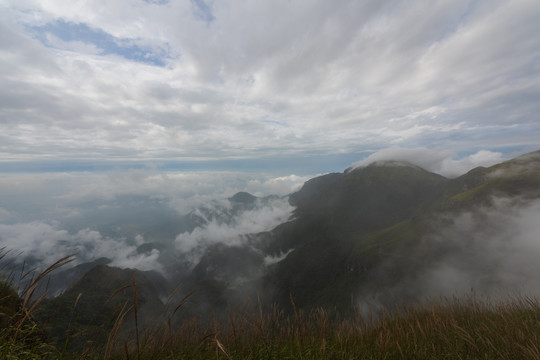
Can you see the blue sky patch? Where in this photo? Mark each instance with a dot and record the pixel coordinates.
(105, 42)
(203, 11)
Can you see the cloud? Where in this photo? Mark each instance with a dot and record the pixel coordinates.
(4, 214)
(264, 80)
(111, 214)
(487, 252)
(494, 251)
(30, 197)
(435, 160)
(42, 244)
(271, 260)
(232, 230)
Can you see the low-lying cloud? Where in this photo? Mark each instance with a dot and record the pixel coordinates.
(493, 251)
(435, 160)
(41, 244)
(47, 216)
(231, 231)
(487, 251)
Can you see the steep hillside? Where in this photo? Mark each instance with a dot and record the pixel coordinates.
(336, 214)
(369, 233)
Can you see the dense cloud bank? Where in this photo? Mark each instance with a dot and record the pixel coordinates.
(41, 244)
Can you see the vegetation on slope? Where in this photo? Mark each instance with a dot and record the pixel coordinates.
(446, 329)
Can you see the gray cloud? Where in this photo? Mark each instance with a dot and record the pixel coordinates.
(494, 251)
(267, 79)
(35, 197)
(488, 252)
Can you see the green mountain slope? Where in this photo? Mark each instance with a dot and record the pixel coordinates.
(363, 233)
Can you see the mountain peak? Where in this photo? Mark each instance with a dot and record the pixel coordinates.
(243, 197)
(394, 163)
(384, 163)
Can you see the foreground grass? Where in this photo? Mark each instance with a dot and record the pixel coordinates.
(449, 329)
(469, 328)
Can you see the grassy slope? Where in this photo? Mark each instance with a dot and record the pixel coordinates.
(466, 329)
(449, 329)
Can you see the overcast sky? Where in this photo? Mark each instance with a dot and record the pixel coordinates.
(299, 87)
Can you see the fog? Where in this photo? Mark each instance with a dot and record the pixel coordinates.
(489, 252)
(493, 251)
(93, 215)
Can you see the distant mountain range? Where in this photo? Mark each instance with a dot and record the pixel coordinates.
(386, 233)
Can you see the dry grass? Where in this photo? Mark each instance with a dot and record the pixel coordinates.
(20, 336)
(449, 329)
(453, 328)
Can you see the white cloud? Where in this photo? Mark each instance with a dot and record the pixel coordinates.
(75, 46)
(271, 260)
(435, 160)
(50, 215)
(43, 244)
(281, 185)
(264, 217)
(268, 78)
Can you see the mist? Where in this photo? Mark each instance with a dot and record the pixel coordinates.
(489, 251)
(136, 219)
(221, 224)
(493, 250)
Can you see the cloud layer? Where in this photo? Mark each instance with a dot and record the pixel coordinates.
(230, 230)
(435, 160)
(169, 81)
(48, 216)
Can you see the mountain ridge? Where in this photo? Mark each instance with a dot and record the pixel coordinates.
(364, 234)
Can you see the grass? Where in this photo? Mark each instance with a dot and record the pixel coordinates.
(456, 328)
(449, 329)
(21, 337)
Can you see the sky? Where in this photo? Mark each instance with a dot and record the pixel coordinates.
(115, 115)
(277, 87)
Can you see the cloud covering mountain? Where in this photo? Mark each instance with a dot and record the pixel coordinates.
(435, 160)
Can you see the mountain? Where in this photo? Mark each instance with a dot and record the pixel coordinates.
(386, 233)
(336, 216)
(362, 233)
